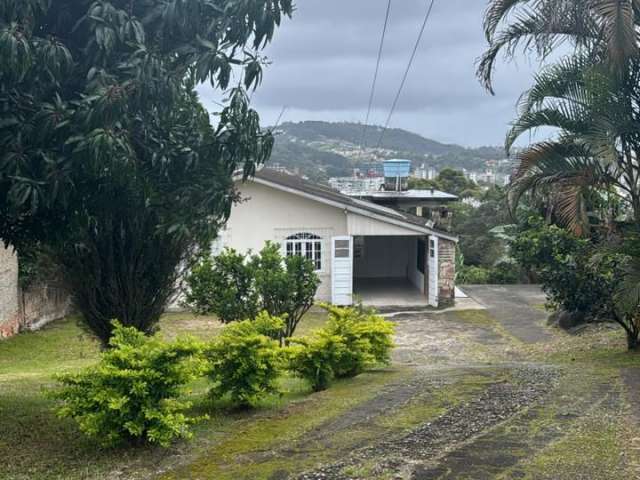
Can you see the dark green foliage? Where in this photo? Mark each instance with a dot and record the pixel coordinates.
(286, 286)
(223, 286)
(107, 156)
(237, 287)
(450, 181)
(244, 362)
(564, 266)
(131, 394)
(503, 273)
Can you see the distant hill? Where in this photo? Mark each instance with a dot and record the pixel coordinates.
(322, 149)
(394, 138)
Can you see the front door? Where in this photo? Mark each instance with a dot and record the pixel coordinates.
(432, 263)
(342, 270)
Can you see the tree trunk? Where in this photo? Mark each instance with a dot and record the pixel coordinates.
(632, 340)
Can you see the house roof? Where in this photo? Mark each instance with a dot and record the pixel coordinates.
(296, 184)
(406, 195)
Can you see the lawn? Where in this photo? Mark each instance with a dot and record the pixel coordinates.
(580, 431)
(35, 444)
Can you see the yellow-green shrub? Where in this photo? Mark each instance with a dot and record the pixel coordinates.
(353, 340)
(132, 393)
(367, 337)
(244, 362)
(313, 358)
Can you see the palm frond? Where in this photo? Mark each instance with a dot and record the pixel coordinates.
(617, 20)
(627, 295)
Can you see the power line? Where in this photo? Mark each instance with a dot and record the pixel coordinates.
(363, 142)
(282, 112)
(406, 73)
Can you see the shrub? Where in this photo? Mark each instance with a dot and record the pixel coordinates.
(563, 264)
(472, 275)
(367, 339)
(131, 394)
(223, 286)
(286, 286)
(314, 358)
(244, 362)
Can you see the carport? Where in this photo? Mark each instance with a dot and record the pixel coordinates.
(388, 270)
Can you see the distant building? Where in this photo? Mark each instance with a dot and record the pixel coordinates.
(488, 177)
(347, 185)
(425, 172)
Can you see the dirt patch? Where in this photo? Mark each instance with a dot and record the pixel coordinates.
(450, 339)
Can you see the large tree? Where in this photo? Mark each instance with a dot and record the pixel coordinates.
(108, 159)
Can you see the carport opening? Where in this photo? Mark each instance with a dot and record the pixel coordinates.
(389, 270)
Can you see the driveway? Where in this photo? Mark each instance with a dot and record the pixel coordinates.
(468, 396)
(518, 308)
(492, 413)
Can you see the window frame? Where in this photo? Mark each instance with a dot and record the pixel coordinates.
(308, 245)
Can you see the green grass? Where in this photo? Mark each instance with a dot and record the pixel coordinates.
(42, 446)
(280, 435)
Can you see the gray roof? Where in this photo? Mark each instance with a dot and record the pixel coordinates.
(299, 184)
(407, 195)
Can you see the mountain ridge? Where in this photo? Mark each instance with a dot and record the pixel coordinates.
(321, 149)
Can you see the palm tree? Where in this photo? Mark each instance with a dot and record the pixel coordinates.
(597, 142)
(606, 29)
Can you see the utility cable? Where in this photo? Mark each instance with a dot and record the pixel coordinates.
(363, 142)
(406, 73)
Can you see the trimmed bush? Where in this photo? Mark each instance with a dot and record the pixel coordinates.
(235, 287)
(367, 338)
(223, 286)
(286, 286)
(131, 394)
(353, 340)
(244, 362)
(314, 358)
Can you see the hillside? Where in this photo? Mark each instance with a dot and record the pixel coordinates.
(322, 149)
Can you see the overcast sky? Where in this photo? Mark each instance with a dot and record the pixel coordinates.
(324, 58)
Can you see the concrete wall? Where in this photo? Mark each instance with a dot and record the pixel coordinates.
(271, 214)
(9, 296)
(29, 309)
(447, 272)
(42, 304)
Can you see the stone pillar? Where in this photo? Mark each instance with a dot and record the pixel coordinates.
(447, 272)
(9, 296)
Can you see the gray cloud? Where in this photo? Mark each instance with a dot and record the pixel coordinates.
(323, 61)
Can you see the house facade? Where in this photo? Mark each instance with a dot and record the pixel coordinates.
(362, 251)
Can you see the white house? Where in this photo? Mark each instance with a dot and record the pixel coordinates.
(361, 250)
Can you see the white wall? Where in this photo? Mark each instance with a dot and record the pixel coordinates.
(271, 214)
(384, 257)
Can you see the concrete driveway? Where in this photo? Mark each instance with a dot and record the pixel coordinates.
(518, 308)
